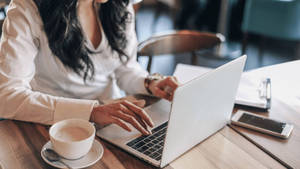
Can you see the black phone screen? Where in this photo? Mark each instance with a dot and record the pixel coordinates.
(268, 124)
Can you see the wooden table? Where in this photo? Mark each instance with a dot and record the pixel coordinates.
(285, 107)
(21, 143)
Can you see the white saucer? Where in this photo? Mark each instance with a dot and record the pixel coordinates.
(89, 159)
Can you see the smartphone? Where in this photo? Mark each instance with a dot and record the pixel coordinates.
(262, 124)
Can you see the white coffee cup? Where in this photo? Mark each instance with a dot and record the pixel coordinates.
(72, 138)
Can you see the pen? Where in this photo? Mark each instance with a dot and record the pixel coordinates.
(268, 92)
(265, 91)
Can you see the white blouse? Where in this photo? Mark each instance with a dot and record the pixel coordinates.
(34, 84)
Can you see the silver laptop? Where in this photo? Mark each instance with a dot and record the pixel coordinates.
(200, 108)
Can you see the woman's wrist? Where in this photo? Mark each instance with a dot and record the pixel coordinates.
(150, 78)
(92, 117)
(95, 106)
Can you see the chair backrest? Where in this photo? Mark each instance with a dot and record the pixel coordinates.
(273, 18)
(178, 42)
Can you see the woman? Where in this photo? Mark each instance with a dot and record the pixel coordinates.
(58, 58)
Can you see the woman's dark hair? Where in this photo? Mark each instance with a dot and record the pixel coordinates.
(65, 36)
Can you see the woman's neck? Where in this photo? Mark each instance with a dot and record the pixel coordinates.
(85, 1)
(89, 21)
(84, 5)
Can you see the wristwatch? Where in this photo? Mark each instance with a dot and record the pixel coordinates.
(151, 78)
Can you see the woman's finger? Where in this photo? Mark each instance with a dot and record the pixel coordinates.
(141, 103)
(140, 112)
(175, 79)
(131, 120)
(162, 94)
(169, 81)
(120, 123)
(127, 111)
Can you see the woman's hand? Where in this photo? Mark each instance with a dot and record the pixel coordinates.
(122, 113)
(164, 88)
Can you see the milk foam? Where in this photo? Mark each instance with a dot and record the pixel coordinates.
(72, 134)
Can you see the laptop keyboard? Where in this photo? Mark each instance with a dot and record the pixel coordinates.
(151, 145)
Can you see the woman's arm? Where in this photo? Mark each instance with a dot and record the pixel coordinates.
(131, 76)
(18, 49)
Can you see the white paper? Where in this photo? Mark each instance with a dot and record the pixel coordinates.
(248, 93)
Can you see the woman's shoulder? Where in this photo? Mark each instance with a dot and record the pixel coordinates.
(23, 5)
(24, 10)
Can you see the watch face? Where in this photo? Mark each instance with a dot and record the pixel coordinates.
(156, 76)
(150, 78)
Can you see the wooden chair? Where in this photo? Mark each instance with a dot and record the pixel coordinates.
(178, 42)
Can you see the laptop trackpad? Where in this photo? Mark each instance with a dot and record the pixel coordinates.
(159, 113)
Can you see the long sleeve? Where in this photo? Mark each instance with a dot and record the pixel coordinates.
(131, 76)
(18, 49)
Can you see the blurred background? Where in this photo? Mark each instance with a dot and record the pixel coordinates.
(268, 31)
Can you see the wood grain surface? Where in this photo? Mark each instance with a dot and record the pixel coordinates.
(225, 149)
(287, 151)
(21, 143)
(285, 107)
